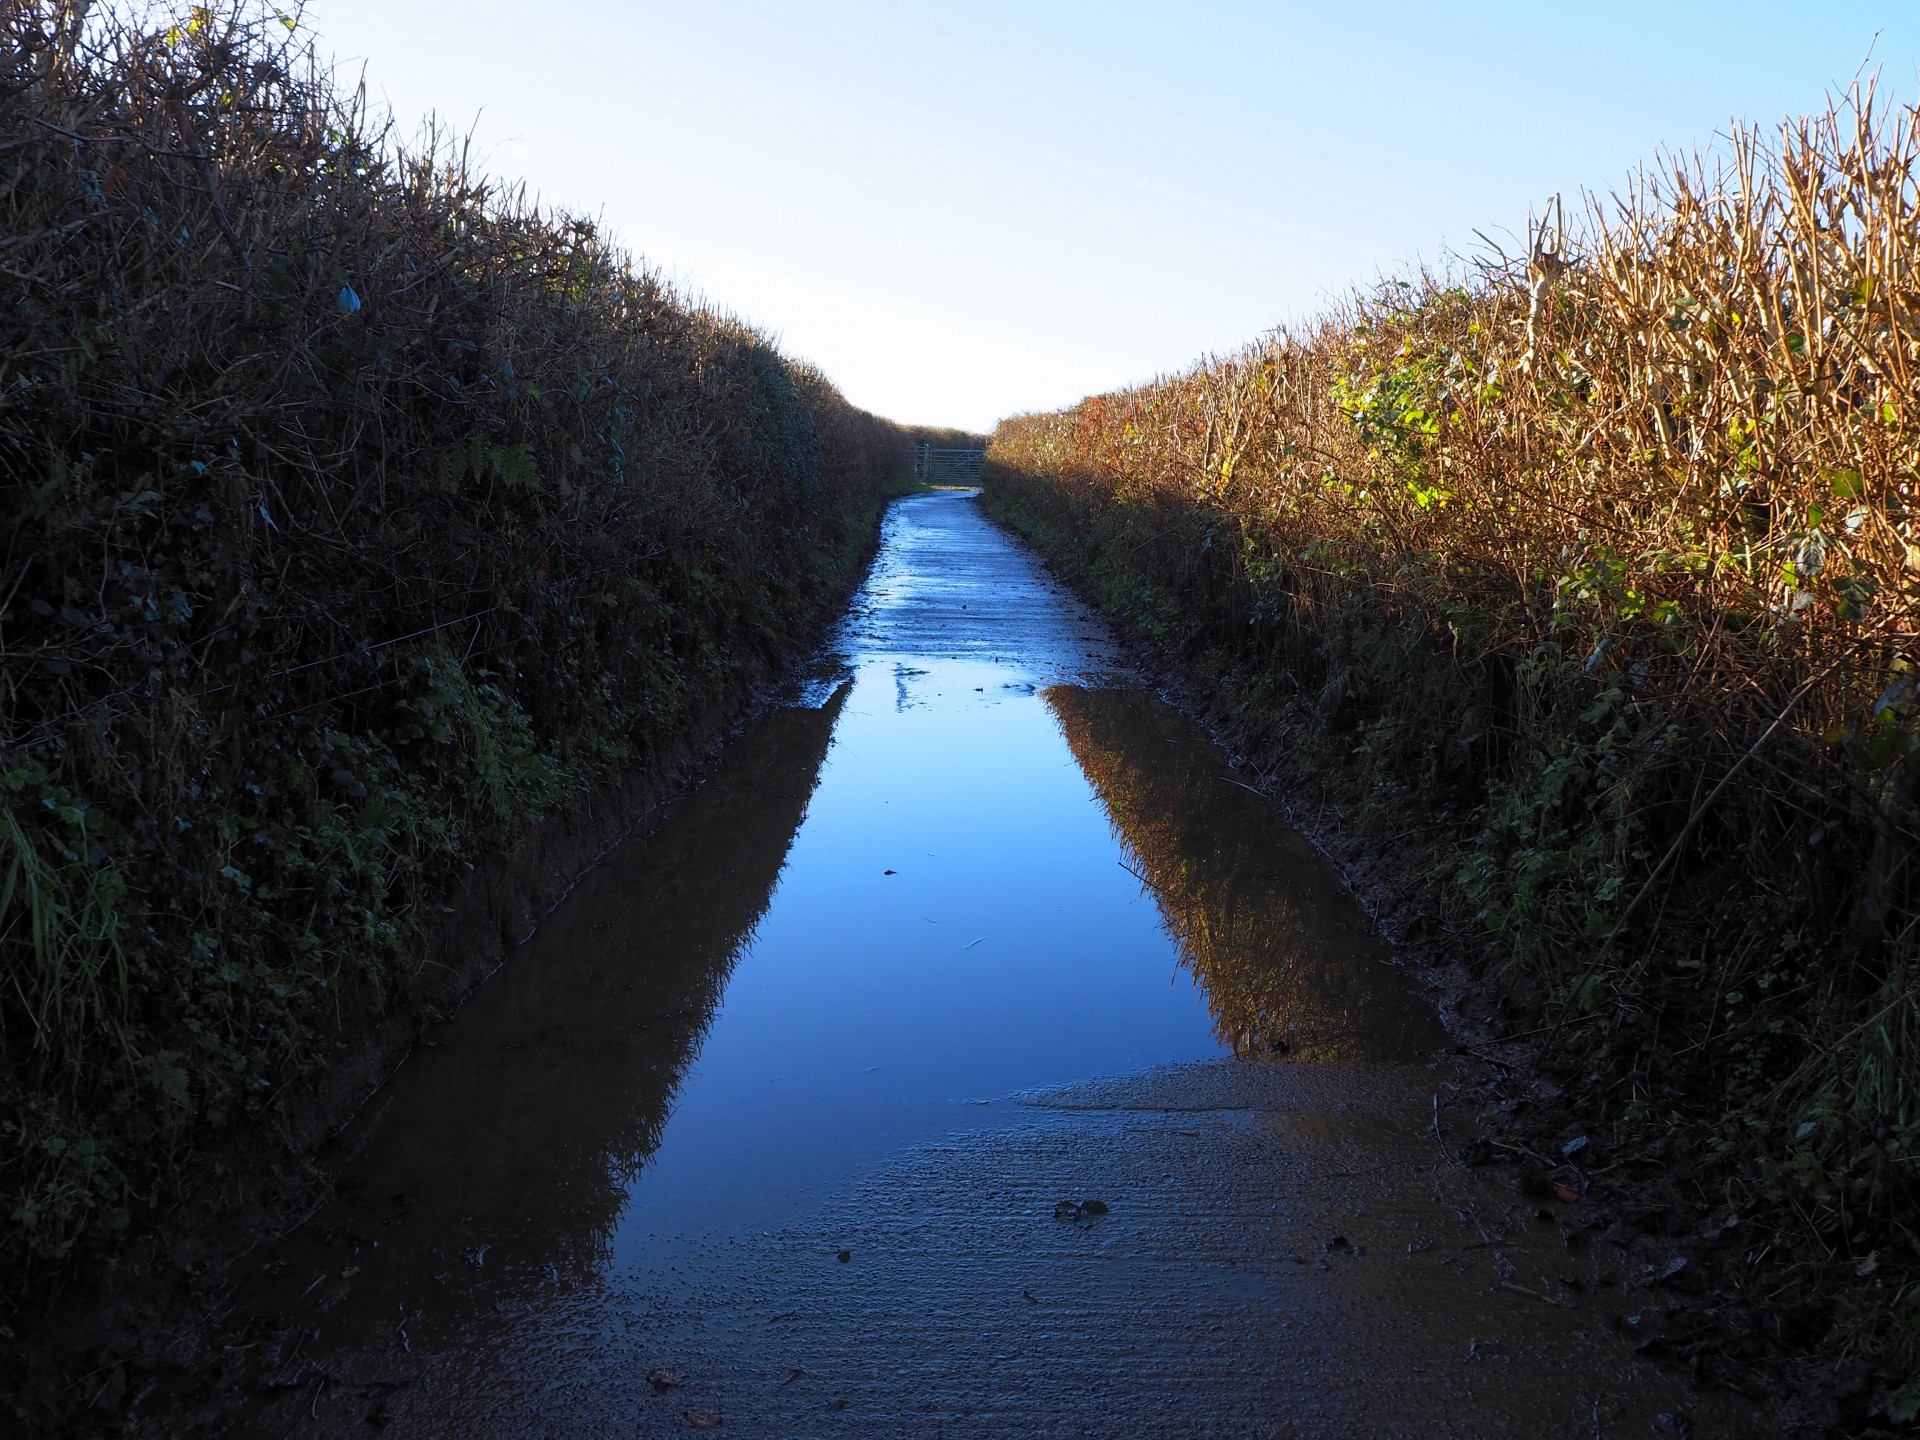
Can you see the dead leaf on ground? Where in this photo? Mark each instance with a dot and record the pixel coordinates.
(704, 1419)
(664, 1380)
(1080, 1212)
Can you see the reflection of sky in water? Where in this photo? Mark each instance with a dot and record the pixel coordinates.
(1009, 949)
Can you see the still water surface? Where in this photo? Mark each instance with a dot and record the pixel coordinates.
(926, 891)
(975, 858)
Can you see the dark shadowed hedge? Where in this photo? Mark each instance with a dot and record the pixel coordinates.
(357, 515)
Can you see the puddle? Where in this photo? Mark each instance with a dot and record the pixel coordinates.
(1290, 964)
(776, 1098)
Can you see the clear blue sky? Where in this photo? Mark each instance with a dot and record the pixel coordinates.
(966, 210)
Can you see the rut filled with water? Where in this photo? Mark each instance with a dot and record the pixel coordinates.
(971, 1054)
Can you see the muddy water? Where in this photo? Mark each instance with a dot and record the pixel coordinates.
(797, 1095)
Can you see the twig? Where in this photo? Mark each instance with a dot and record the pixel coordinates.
(1705, 805)
(1542, 1029)
(58, 232)
(1827, 1051)
(1151, 885)
(47, 124)
(350, 654)
(1673, 850)
(1482, 1056)
(1530, 1294)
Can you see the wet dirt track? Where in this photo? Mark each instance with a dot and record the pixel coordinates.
(797, 1096)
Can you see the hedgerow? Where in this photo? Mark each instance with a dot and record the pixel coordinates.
(359, 515)
(1591, 575)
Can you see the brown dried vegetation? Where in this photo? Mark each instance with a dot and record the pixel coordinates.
(1595, 574)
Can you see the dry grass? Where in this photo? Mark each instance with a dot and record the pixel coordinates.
(1604, 558)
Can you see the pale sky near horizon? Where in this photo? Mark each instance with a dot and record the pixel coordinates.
(965, 211)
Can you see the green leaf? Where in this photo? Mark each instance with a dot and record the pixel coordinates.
(1904, 1407)
(514, 464)
(1846, 484)
(1885, 748)
(172, 1081)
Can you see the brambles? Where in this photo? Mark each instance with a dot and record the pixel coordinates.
(1598, 570)
(358, 516)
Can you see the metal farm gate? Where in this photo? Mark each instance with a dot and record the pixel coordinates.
(948, 467)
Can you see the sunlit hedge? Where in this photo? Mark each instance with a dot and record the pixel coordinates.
(1595, 569)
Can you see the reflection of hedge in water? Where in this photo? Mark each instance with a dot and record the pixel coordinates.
(1289, 963)
(689, 906)
(359, 517)
(569, 1062)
